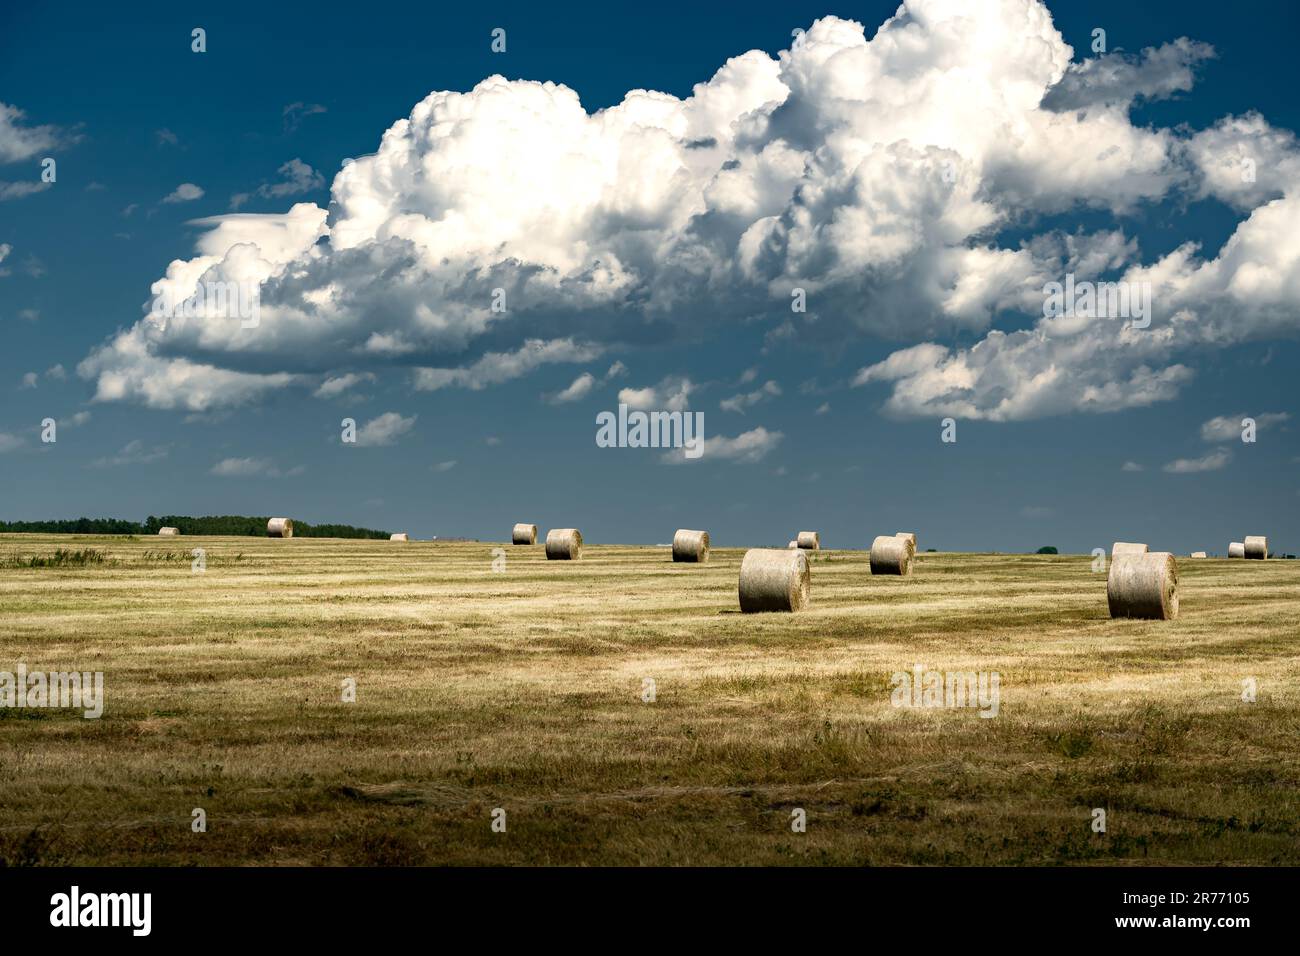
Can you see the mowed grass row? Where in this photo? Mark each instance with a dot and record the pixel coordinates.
(521, 688)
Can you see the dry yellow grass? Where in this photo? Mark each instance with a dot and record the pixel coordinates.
(522, 689)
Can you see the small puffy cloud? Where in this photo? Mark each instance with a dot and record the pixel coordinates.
(19, 190)
(1132, 466)
(335, 386)
(185, 192)
(642, 398)
(746, 448)
(79, 418)
(295, 113)
(738, 403)
(384, 430)
(1243, 161)
(5, 249)
(445, 466)
(1229, 427)
(1190, 466)
(296, 178)
(823, 408)
(577, 390)
(617, 370)
(19, 142)
(165, 137)
(492, 441)
(132, 453)
(56, 372)
(252, 468)
(497, 367)
(672, 394)
(241, 467)
(29, 380)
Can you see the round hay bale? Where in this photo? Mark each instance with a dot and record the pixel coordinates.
(1127, 547)
(793, 544)
(563, 544)
(909, 536)
(774, 580)
(1143, 586)
(809, 540)
(1236, 549)
(168, 532)
(279, 528)
(1256, 546)
(692, 546)
(1199, 554)
(891, 554)
(399, 536)
(523, 534)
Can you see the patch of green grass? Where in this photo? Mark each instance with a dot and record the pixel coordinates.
(60, 558)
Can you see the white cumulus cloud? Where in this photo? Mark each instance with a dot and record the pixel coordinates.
(252, 468)
(20, 141)
(738, 403)
(746, 448)
(504, 227)
(672, 394)
(578, 389)
(185, 192)
(1229, 427)
(1211, 462)
(384, 430)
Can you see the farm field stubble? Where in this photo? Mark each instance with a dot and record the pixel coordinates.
(522, 689)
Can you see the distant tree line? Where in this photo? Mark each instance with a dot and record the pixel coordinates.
(239, 525)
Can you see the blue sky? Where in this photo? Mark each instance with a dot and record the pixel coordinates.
(1135, 160)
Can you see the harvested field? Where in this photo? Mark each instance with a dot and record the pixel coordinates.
(523, 689)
